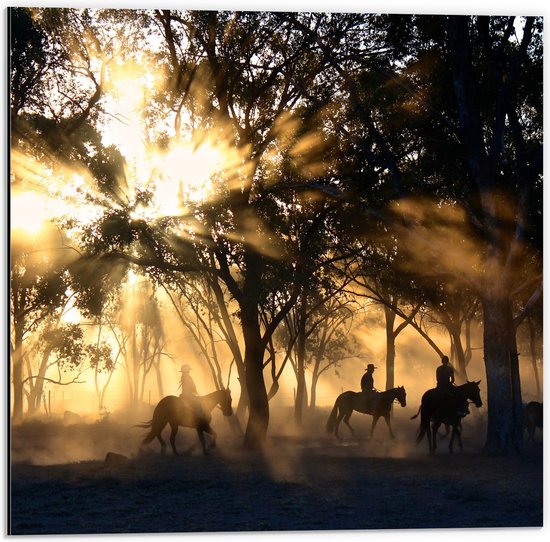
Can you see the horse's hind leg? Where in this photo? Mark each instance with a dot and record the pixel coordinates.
(156, 431)
(337, 425)
(346, 421)
(455, 433)
(173, 434)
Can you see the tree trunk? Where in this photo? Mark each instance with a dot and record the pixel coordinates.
(258, 419)
(454, 330)
(233, 344)
(313, 398)
(504, 425)
(300, 362)
(254, 348)
(37, 387)
(390, 348)
(18, 372)
(158, 374)
(533, 348)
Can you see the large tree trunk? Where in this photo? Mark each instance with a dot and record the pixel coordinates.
(258, 419)
(254, 349)
(455, 332)
(533, 349)
(504, 424)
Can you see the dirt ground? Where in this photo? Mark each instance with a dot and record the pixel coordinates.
(301, 481)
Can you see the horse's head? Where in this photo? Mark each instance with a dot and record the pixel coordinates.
(401, 395)
(225, 402)
(472, 393)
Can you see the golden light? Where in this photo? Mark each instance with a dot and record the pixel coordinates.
(187, 174)
(30, 213)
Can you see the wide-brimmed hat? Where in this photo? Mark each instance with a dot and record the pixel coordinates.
(185, 368)
(370, 366)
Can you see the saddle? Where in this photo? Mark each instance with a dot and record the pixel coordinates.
(369, 399)
(451, 401)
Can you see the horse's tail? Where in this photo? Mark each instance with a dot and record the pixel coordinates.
(331, 422)
(151, 435)
(416, 415)
(144, 425)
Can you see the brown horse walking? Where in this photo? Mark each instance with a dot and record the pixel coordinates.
(440, 407)
(174, 411)
(379, 407)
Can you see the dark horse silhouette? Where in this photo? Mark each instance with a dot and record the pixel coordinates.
(380, 406)
(532, 418)
(441, 407)
(174, 411)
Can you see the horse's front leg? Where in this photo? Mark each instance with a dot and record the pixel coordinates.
(213, 434)
(374, 422)
(453, 435)
(459, 436)
(435, 427)
(200, 432)
(388, 422)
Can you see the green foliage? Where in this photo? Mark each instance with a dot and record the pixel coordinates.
(100, 357)
(66, 342)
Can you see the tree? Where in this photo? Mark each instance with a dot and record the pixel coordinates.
(259, 109)
(474, 93)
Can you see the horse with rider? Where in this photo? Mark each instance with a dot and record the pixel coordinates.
(446, 404)
(367, 401)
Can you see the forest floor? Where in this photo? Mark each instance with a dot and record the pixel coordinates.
(301, 481)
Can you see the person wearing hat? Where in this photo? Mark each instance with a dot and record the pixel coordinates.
(367, 386)
(445, 377)
(187, 384)
(367, 381)
(189, 390)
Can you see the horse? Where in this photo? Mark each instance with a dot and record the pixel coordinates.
(378, 407)
(532, 418)
(441, 407)
(175, 411)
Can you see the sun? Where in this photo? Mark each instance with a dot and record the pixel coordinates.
(187, 173)
(29, 213)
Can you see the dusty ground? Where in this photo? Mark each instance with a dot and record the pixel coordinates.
(60, 482)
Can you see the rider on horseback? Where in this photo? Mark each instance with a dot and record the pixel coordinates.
(367, 384)
(445, 376)
(189, 391)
